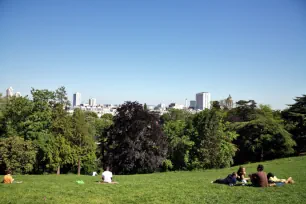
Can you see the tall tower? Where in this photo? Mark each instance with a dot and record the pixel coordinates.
(186, 106)
(9, 92)
(76, 99)
(203, 100)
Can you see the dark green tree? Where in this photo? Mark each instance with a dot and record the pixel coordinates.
(262, 138)
(145, 107)
(295, 117)
(216, 105)
(135, 142)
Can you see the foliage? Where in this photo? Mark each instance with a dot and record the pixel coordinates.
(59, 147)
(145, 107)
(82, 142)
(262, 138)
(179, 143)
(17, 155)
(295, 118)
(176, 114)
(244, 111)
(212, 141)
(135, 142)
(107, 116)
(216, 105)
(167, 165)
(15, 115)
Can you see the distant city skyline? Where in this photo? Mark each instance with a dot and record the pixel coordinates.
(156, 51)
(77, 100)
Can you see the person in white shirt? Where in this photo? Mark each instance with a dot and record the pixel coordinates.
(107, 176)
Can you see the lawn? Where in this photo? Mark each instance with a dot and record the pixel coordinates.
(172, 187)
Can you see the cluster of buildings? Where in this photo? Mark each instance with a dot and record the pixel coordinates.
(202, 101)
(92, 105)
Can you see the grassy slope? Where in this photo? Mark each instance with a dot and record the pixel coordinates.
(172, 187)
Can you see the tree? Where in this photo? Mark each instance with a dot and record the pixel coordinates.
(262, 138)
(107, 116)
(212, 139)
(179, 144)
(176, 114)
(83, 143)
(244, 111)
(135, 142)
(295, 118)
(61, 97)
(59, 147)
(145, 107)
(17, 155)
(216, 105)
(15, 114)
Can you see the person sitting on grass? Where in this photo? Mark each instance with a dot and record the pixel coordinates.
(8, 177)
(107, 177)
(231, 179)
(274, 181)
(241, 175)
(259, 179)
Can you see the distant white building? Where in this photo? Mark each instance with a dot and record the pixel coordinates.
(150, 107)
(92, 102)
(76, 99)
(17, 94)
(9, 92)
(203, 100)
(176, 106)
(160, 106)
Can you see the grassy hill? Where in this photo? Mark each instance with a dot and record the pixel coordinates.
(172, 187)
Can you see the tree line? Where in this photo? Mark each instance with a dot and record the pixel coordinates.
(39, 136)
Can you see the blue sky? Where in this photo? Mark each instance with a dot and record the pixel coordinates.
(156, 50)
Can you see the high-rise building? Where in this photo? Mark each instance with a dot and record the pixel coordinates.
(17, 94)
(76, 99)
(9, 92)
(92, 102)
(193, 104)
(203, 100)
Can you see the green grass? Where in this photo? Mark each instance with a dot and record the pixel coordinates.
(172, 187)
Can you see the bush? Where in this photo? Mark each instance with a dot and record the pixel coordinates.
(167, 165)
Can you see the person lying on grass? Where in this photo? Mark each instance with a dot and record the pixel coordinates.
(8, 177)
(241, 175)
(259, 179)
(230, 180)
(107, 177)
(274, 181)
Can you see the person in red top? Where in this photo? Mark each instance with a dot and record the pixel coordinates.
(259, 179)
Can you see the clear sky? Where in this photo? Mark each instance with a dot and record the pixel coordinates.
(156, 50)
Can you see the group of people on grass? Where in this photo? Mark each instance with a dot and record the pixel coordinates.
(258, 179)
